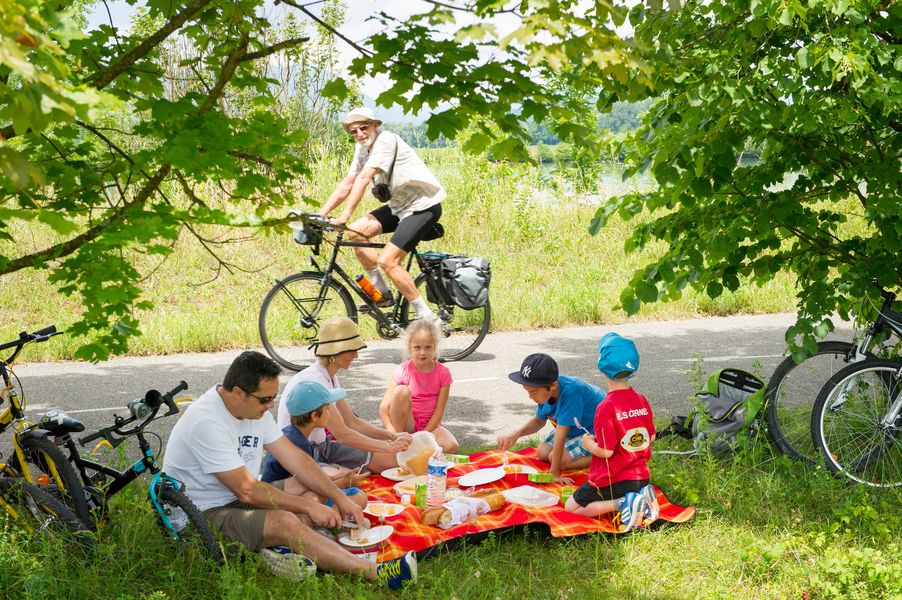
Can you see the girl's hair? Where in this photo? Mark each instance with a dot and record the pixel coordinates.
(418, 326)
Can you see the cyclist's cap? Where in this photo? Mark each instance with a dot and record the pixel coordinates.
(307, 396)
(337, 335)
(359, 115)
(537, 369)
(617, 355)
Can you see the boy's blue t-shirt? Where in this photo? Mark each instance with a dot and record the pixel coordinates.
(576, 399)
(272, 470)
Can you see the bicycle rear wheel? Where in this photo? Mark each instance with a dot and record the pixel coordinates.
(48, 468)
(848, 423)
(791, 393)
(36, 511)
(463, 330)
(292, 312)
(188, 524)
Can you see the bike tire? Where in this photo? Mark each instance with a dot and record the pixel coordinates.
(37, 511)
(791, 393)
(846, 423)
(192, 528)
(462, 329)
(292, 313)
(40, 452)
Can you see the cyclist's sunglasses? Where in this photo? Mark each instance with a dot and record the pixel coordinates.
(260, 399)
(356, 130)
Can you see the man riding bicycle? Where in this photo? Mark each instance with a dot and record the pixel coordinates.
(412, 197)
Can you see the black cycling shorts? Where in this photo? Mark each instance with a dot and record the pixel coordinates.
(407, 232)
(587, 493)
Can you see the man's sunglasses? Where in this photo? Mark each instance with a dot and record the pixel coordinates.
(356, 130)
(260, 399)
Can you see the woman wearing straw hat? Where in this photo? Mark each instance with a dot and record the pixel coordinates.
(412, 197)
(348, 440)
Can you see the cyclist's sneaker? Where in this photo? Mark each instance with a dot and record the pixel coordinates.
(652, 510)
(396, 572)
(632, 509)
(387, 300)
(284, 563)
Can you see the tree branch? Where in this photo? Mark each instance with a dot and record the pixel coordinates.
(263, 52)
(104, 78)
(329, 28)
(68, 247)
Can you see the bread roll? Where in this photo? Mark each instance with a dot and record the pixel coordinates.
(432, 516)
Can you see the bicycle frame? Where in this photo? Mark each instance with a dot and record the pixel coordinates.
(886, 317)
(14, 414)
(389, 320)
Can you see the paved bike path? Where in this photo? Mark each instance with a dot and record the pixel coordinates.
(483, 401)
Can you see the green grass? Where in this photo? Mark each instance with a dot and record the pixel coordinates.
(765, 528)
(547, 270)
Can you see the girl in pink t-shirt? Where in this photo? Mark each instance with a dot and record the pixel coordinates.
(418, 389)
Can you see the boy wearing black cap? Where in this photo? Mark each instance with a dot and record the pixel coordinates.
(621, 445)
(567, 402)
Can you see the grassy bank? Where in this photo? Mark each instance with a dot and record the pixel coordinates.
(547, 270)
(765, 528)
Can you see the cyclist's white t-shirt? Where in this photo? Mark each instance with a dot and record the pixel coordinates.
(413, 186)
(207, 440)
(315, 372)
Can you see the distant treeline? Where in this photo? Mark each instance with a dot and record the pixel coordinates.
(624, 116)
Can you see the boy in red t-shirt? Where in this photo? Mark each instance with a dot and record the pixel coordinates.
(621, 446)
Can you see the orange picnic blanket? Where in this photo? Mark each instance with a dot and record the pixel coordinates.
(411, 534)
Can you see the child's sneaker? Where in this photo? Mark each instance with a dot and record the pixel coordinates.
(396, 572)
(632, 509)
(652, 510)
(284, 563)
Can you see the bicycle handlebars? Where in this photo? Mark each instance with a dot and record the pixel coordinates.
(152, 400)
(41, 335)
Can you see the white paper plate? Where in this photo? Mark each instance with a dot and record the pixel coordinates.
(527, 495)
(383, 510)
(519, 469)
(481, 477)
(395, 476)
(408, 486)
(368, 537)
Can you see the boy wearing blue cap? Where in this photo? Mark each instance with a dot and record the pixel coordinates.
(309, 404)
(567, 402)
(621, 445)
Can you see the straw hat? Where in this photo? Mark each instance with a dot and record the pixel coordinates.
(337, 335)
(360, 115)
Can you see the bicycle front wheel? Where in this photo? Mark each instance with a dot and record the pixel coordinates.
(292, 313)
(36, 511)
(462, 330)
(856, 422)
(791, 393)
(46, 466)
(186, 523)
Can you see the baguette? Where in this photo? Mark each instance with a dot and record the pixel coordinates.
(432, 515)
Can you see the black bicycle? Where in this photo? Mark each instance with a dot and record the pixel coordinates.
(176, 514)
(296, 306)
(793, 388)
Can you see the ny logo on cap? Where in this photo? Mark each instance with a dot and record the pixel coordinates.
(526, 371)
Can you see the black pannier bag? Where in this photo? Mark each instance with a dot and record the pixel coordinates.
(467, 280)
(457, 279)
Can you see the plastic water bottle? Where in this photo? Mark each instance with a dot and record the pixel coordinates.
(436, 480)
(369, 288)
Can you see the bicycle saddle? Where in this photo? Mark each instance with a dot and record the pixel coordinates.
(59, 423)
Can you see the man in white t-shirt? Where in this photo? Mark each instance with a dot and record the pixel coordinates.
(216, 449)
(411, 212)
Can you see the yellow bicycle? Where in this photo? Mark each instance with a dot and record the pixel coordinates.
(36, 457)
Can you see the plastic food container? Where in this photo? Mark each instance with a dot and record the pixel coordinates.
(416, 458)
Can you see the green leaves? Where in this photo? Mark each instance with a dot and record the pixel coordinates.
(813, 89)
